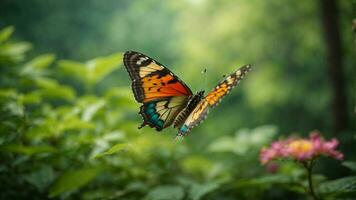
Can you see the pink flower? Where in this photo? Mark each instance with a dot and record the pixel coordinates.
(327, 148)
(276, 150)
(301, 149)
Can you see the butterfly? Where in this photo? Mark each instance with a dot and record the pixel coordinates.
(167, 100)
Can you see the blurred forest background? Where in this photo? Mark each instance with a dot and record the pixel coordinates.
(68, 127)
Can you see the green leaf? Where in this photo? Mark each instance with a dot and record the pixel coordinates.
(197, 165)
(92, 71)
(98, 68)
(223, 144)
(92, 109)
(5, 33)
(27, 150)
(112, 150)
(351, 165)
(41, 178)
(73, 180)
(15, 50)
(31, 98)
(36, 65)
(75, 123)
(74, 69)
(41, 62)
(50, 88)
(197, 191)
(8, 93)
(122, 97)
(244, 140)
(265, 180)
(166, 192)
(46, 83)
(341, 187)
(14, 108)
(60, 92)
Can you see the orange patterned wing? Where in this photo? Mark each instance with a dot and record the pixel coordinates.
(162, 93)
(152, 81)
(212, 99)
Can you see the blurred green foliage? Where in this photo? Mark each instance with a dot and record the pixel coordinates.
(68, 126)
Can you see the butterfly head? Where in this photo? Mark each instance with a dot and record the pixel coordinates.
(194, 100)
(198, 97)
(200, 94)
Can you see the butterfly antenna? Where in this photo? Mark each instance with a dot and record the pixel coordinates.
(203, 72)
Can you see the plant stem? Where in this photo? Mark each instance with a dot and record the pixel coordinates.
(309, 167)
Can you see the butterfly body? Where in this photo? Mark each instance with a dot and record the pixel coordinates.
(192, 103)
(166, 99)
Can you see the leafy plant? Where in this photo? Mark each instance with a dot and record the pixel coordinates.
(66, 133)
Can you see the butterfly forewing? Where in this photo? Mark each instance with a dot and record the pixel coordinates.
(151, 80)
(212, 99)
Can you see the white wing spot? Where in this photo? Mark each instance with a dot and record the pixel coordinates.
(141, 60)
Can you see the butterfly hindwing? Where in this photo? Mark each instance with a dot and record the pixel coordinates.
(212, 99)
(162, 93)
(151, 80)
(160, 114)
